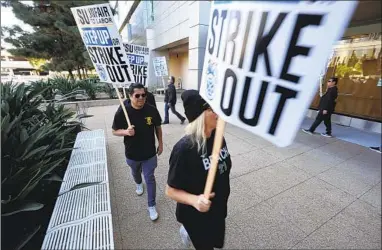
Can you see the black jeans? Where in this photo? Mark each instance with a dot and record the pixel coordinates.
(168, 106)
(327, 120)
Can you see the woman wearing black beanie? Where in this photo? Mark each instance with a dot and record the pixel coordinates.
(202, 218)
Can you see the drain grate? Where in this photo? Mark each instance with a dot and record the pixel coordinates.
(80, 204)
(95, 233)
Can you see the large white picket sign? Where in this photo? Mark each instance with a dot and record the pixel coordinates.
(104, 44)
(263, 61)
(139, 61)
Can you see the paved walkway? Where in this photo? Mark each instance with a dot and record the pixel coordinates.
(317, 193)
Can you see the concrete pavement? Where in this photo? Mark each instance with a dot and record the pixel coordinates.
(317, 193)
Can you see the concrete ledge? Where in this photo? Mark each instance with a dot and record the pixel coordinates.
(108, 102)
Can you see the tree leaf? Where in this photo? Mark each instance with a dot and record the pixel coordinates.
(53, 177)
(35, 151)
(81, 185)
(27, 238)
(58, 151)
(27, 207)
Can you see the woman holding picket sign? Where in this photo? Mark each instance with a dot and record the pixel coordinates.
(202, 218)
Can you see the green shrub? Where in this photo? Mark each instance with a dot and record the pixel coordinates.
(91, 86)
(36, 140)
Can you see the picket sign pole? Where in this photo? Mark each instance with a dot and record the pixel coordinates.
(124, 93)
(164, 85)
(123, 107)
(218, 141)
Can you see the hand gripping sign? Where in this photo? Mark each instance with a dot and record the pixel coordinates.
(262, 62)
(104, 44)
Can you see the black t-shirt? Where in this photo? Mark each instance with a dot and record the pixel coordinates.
(188, 171)
(141, 146)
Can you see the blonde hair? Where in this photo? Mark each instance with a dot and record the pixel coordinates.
(196, 131)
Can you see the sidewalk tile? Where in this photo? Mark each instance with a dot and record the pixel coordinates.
(272, 180)
(364, 217)
(373, 196)
(234, 237)
(311, 203)
(338, 233)
(342, 149)
(242, 196)
(314, 162)
(266, 228)
(256, 159)
(287, 152)
(139, 232)
(350, 177)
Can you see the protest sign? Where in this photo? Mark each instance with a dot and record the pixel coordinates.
(139, 61)
(160, 66)
(263, 60)
(104, 44)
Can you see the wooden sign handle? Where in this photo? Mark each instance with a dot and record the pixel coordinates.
(124, 93)
(123, 107)
(215, 157)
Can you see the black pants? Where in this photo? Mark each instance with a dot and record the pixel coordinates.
(327, 120)
(168, 106)
(206, 235)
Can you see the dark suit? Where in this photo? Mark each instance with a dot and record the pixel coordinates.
(328, 103)
(170, 101)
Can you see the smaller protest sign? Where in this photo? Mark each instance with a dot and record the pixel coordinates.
(160, 66)
(139, 61)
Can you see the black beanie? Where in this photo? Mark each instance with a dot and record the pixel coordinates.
(194, 105)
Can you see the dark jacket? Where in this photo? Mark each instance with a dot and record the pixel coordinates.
(170, 94)
(150, 99)
(328, 100)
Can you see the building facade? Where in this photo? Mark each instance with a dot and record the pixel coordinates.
(174, 29)
(178, 30)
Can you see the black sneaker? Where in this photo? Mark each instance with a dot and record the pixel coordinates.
(307, 131)
(326, 135)
(164, 123)
(376, 149)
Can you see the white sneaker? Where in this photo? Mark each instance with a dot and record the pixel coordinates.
(184, 236)
(153, 213)
(307, 131)
(326, 135)
(139, 189)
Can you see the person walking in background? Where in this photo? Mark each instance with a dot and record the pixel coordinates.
(202, 218)
(140, 149)
(326, 109)
(170, 102)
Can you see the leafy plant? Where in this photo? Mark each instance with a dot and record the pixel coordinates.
(108, 89)
(36, 141)
(46, 87)
(90, 86)
(65, 86)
